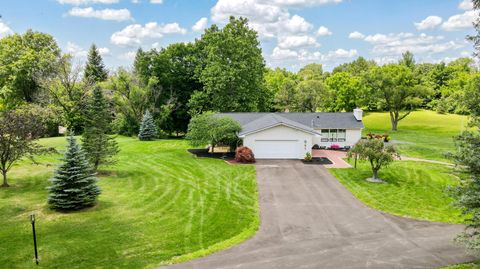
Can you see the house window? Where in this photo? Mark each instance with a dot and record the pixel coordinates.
(333, 135)
(324, 135)
(341, 135)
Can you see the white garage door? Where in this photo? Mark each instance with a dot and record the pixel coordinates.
(277, 149)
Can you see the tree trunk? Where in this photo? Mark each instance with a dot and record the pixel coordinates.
(5, 184)
(213, 147)
(394, 120)
(356, 157)
(375, 171)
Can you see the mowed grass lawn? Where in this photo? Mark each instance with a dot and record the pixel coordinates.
(412, 189)
(427, 134)
(159, 204)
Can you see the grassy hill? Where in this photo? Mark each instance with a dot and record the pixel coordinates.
(422, 134)
(158, 204)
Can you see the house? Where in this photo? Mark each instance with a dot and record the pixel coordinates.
(292, 135)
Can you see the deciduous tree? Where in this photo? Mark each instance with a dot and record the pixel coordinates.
(26, 60)
(19, 130)
(376, 153)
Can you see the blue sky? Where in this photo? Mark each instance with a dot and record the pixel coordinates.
(292, 32)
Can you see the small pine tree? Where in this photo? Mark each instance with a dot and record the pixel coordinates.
(74, 185)
(97, 144)
(148, 130)
(95, 70)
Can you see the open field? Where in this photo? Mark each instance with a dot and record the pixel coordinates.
(158, 204)
(427, 134)
(413, 189)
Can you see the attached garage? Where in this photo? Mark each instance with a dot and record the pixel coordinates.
(280, 141)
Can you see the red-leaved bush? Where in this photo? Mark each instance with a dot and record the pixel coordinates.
(244, 155)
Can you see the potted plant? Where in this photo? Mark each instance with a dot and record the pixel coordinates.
(308, 157)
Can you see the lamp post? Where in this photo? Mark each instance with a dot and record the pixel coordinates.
(32, 220)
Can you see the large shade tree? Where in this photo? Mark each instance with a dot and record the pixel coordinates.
(397, 89)
(25, 60)
(231, 68)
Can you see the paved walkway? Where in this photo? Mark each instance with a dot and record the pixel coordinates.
(309, 220)
(336, 156)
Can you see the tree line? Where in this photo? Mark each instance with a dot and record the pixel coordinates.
(221, 71)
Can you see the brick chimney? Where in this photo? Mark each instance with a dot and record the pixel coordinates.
(358, 113)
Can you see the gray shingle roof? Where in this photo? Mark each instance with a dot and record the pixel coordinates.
(270, 120)
(305, 121)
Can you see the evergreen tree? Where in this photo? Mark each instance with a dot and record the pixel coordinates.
(95, 70)
(74, 183)
(98, 145)
(148, 130)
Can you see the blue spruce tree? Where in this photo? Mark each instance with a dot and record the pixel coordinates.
(74, 185)
(148, 130)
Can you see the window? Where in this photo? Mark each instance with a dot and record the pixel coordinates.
(333, 135)
(324, 135)
(341, 135)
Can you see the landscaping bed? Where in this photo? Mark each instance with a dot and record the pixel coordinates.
(216, 155)
(318, 160)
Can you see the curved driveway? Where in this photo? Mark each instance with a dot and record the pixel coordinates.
(309, 220)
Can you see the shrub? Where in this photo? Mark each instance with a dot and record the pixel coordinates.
(335, 146)
(244, 155)
(316, 146)
(308, 156)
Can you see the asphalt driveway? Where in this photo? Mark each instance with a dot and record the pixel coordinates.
(309, 220)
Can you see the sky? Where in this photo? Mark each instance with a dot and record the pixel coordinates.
(292, 33)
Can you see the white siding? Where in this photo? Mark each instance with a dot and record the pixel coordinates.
(352, 137)
(280, 142)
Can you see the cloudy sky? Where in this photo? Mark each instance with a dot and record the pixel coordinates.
(292, 32)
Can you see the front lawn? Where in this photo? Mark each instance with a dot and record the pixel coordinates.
(413, 189)
(158, 204)
(424, 134)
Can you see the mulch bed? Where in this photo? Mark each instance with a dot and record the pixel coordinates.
(318, 160)
(216, 155)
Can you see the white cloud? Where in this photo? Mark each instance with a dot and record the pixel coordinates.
(134, 34)
(75, 50)
(356, 35)
(395, 44)
(288, 42)
(283, 54)
(200, 25)
(87, 2)
(429, 22)
(460, 21)
(323, 31)
(296, 24)
(301, 3)
(104, 51)
(268, 18)
(129, 56)
(466, 5)
(156, 1)
(102, 14)
(342, 53)
(4, 29)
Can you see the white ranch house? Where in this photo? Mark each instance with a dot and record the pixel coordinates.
(292, 135)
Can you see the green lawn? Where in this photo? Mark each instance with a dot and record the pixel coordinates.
(475, 265)
(159, 205)
(429, 135)
(413, 189)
